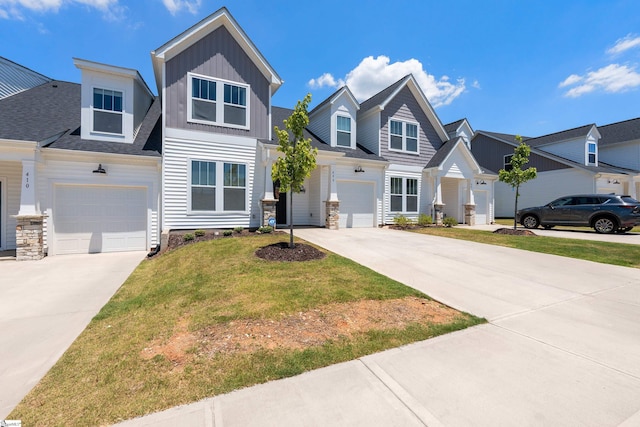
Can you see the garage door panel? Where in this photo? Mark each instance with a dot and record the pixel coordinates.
(89, 219)
(356, 204)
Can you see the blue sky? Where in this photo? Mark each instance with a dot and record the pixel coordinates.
(522, 67)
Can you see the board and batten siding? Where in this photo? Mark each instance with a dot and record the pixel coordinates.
(217, 55)
(11, 177)
(623, 155)
(177, 153)
(405, 107)
(489, 154)
(546, 187)
(56, 172)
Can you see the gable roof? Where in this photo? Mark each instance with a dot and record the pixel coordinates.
(50, 114)
(279, 114)
(565, 135)
(335, 95)
(449, 147)
(615, 133)
(219, 18)
(453, 127)
(382, 98)
(15, 78)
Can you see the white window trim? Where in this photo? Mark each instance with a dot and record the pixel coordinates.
(404, 195)
(404, 136)
(506, 163)
(338, 131)
(219, 101)
(121, 113)
(219, 186)
(587, 162)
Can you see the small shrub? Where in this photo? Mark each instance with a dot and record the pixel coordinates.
(238, 229)
(199, 233)
(227, 233)
(424, 220)
(265, 229)
(402, 221)
(450, 221)
(188, 237)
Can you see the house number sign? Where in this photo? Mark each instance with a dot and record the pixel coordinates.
(26, 180)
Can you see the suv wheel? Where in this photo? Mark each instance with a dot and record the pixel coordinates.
(604, 225)
(530, 221)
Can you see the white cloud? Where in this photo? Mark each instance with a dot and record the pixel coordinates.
(174, 6)
(624, 44)
(14, 9)
(374, 74)
(613, 78)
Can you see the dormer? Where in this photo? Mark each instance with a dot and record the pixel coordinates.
(334, 119)
(460, 129)
(579, 144)
(114, 101)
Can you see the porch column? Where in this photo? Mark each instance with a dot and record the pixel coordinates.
(29, 221)
(438, 206)
(269, 201)
(28, 189)
(332, 204)
(470, 206)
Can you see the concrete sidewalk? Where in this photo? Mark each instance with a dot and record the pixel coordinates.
(44, 306)
(561, 348)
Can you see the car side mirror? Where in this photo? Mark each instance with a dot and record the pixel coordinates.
(550, 206)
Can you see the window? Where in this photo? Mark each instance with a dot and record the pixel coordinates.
(592, 153)
(403, 136)
(107, 111)
(206, 175)
(217, 102)
(343, 127)
(404, 194)
(507, 162)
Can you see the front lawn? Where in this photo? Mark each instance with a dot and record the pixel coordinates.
(211, 317)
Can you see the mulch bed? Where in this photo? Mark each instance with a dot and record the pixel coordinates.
(516, 232)
(282, 252)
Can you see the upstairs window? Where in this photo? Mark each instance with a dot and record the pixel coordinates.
(403, 136)
(507, 162)
(107, 111)
(218, 102)
(343, 127)
(592, 153)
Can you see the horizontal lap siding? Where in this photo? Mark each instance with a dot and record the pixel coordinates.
(217, 55)
(177, 153)
(11, 175)
(622, 155)
(405, 107)
(369, 133)
(388, 216)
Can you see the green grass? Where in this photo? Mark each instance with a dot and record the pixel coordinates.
(103, 377)
(627, 255)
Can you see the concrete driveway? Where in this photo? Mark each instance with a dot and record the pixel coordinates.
(569, 233)
(562, 347)
(44, 306)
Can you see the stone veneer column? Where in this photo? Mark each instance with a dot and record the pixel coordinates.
(438, 207)
(470, 214)
(332, 221)
(29, 243)
(269, 212)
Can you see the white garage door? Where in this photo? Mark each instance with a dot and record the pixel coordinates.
(356, 204)
(480, 197)
(89, 219)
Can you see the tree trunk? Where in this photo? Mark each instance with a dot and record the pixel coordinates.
(291, 220)
(515, 208)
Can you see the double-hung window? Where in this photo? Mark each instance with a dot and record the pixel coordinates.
(218, 102)
(404, 195)
(507, 162)
(206, 177)
(403, 136)
(592, 153)
(107, 111)
(343, 127)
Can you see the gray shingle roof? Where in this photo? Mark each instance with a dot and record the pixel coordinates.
(54, 108)
(381, 96)
(452, 127)
(279, 114)
(442, 153)
(628, 130)
(564, 135)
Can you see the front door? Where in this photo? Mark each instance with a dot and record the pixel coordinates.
(281, 205)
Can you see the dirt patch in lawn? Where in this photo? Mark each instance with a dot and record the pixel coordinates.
(282, 252)
(297, 331)
(516, 232)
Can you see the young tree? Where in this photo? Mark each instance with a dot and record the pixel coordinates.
(516, 176)
(298, 159)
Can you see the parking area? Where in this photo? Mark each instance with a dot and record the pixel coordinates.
(567, 233)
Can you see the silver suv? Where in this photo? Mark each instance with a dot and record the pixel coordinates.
(606, 213)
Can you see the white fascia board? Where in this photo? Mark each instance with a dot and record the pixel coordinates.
(221, 17)
(130, 73)
(404, 168)
(92, 156)
(192, 135)
(346, 92)
(594, 132)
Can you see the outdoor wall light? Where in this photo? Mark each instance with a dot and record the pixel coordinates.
(481, 182)
(359, 169)
(100, 169)
(615, 181)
